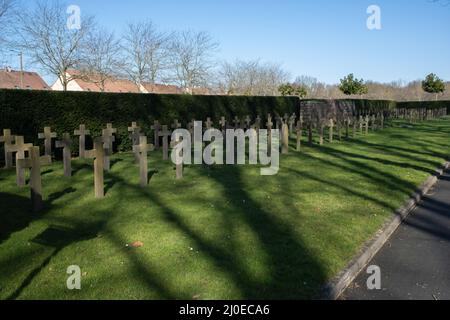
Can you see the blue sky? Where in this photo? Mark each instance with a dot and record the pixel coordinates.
(326, 39)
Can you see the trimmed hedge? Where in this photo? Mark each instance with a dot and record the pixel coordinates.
(27, 112)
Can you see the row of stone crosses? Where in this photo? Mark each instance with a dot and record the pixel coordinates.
(103, 147)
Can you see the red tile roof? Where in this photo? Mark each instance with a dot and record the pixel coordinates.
(162, 89)
(11, 79)
(111, 85)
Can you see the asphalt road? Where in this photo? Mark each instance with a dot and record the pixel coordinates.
(415, 262)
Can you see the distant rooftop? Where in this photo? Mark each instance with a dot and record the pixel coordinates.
(13, 79)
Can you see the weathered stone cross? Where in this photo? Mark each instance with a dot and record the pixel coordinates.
(236, 122)
(374, 122)
(108, 139)
(19, 147)
(135, 134)
(284, 138)
(47, 135)
(66, 143)
(248, 121)
(165, 133)
(299, 130)
(269, 123)
(7, 139)
(191, 127)
(347, 126)
(34, 162)
(82, 132)
(176, 125)
(223, 124)
(98, 153)
(208, 123)
(361, 124)
(331, 129)
(141, 150)
(258, 123)
(366, 122)
(321, 131)
(178, 156)
(156, 127)
(292, 122)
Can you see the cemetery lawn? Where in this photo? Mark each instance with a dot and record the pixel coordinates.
(220, 233)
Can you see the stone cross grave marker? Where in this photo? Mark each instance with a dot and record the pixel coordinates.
(361, 124)
(47, 135)
(66, 144)
(278, 122)
(176, 125)
(258, 123)
(165, 133)
(191, 126)
(179, 157)
(269, 126)
(19, 148)
(247, 121)
(331, 129)
(7, 139)
(223, 124)
(135, 134)
(108, 139)
(34, 162)
(321, 132)
(209, 123)
(366, 123)
(156, 127)
(347, 126)
(299, 130)
(269, 123)
(141, 150)
(374, 122)
(292, 119)
(284, 138)
(98, 154)
(82, 132)
(236, 122)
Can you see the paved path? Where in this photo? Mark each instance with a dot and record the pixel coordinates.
(415, 262)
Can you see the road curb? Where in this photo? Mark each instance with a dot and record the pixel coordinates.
(333, 289)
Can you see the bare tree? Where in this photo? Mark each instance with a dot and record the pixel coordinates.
(146, 51)
(191, 58)
(101, 58)
(46, 37)
(251, 78)
(7, 16)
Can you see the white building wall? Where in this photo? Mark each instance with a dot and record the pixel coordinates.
(72, 86)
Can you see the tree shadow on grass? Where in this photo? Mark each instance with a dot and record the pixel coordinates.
(294, 272)
(57, 238)
(15, 214)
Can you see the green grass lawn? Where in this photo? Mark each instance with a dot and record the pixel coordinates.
(223, 232)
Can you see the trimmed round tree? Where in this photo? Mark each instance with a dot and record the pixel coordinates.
(433, 84)
(292, 90)
(352, 86)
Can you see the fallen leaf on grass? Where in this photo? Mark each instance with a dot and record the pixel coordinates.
(137, 244)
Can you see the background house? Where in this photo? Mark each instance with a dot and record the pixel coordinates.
(92, 84)
(12, 79)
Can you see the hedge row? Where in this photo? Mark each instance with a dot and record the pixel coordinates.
(27, 112)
